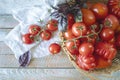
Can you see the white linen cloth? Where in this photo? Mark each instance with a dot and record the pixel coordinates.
(27, 16)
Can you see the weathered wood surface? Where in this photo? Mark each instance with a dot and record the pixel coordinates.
(56, 67)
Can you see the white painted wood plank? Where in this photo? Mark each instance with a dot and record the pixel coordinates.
(4, 49)
(40, 74)
(3, 33)
(56, 61)
(49, 74)
(6, 6)
(7, 21)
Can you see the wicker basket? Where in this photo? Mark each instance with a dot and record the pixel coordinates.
(115, 64)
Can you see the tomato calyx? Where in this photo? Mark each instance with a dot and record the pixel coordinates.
(107, 23)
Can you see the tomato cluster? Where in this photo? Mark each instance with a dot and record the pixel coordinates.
(96, 39)
(35, 32)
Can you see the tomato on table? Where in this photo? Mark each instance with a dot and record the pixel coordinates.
(28, 38)
(114, 7)
(70, 21)
(34, 29)
(86, 49)
(107, 34)
(100, 10)
(86, 62)
(54, 48)
(106, 50)
(69, 35)
(52, 25)
(88, 17)
(73, 47)
(79, 29)
(46, 35)
(102, 62)
(111, 21)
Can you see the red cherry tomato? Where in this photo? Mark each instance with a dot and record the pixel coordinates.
(52, 25)
(34, 29)
(46, 35)
(111, 21)
(107, 34)
(71, 21)
(86, 49)
(79, 29)
(69, 35)
(106, 50)
(88, 17)
(100, 10)
(54, 48)
(86, 62)
(28, 38)
(114, 7)
(73, 47)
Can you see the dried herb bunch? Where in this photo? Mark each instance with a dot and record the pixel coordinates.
(62, 10)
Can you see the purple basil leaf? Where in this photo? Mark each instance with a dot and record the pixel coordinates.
(24, 59)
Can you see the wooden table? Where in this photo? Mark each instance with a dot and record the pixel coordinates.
(56, 67)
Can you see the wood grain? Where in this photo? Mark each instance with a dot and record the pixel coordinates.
(41, 74)
(45, 74)
(7, 21)
(57, 61)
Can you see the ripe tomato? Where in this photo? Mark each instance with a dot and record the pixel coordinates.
(71, 21)
(102, 63)
(88, 17)
(79, 29)
(46, 35)
(54, 48)
(86, 49)
(90, 38)
(107, 34)
(34, 29)
(117, 42)
(52, 25)
(106, 50)
(28, 38)
(69, 35)
(118, 29)
(111, 21)
(86, 62)
(114, 7)
(73, 47)
(100, 10)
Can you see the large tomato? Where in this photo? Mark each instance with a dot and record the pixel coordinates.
(88, 17)
(114, 7)
(52, 25)
(86, 49)
(86, 62)
(79, 29)
(68, 34)
(102, 62)
(46, 35)
(100, 10)
(73, 47)
(34, 29)
(111, 21)
(54, 48)
(28, 38)
(107, 34)
(70, 21)
(106, 50)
